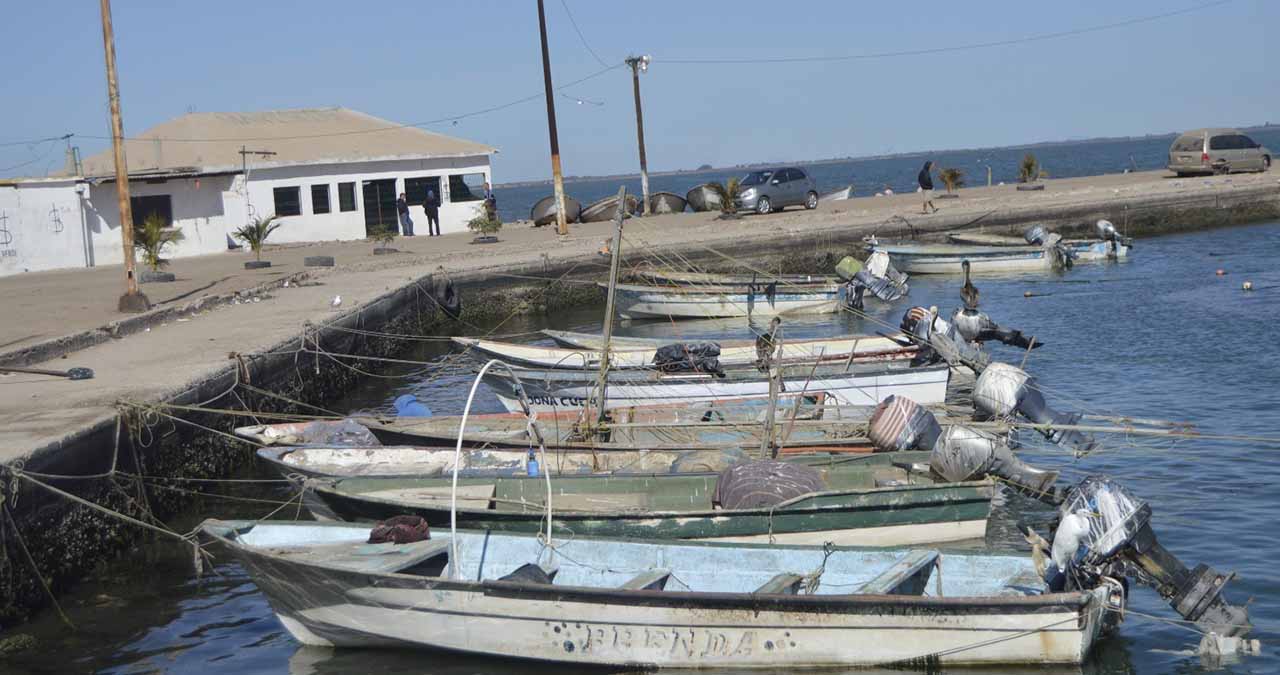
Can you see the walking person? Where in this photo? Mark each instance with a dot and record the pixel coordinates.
(926, 187)
(406, 223)
(432, 206)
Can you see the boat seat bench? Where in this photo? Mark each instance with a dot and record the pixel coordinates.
(907, 576)
(785, 583)
(362, 557)
(651, 580)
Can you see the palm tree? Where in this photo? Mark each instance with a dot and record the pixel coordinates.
(952, 178)
(151, 237)
(728, 194)
(1029, 169)
(255, 234)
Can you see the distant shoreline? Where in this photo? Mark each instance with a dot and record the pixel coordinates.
(835, 160)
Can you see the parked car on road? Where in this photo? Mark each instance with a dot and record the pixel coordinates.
(776, 189)
(1217, 151)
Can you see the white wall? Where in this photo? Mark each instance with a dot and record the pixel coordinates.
(199, 211)
(42, 227)
(336, 224)
(49, 224)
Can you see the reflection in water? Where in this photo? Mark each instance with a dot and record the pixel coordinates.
(1161, 337)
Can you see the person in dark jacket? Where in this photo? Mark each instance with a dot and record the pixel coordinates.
(490, 203)
(432, 206)
(402, 208)
(926, 187)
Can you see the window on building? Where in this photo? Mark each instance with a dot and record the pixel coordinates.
(415, 189)
(319, 198)
(152, 205)
(466, 187)
(288, 203)
(346, 196)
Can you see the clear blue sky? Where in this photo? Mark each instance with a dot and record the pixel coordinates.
(415, 61)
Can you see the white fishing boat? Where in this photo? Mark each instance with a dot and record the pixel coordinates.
(859, 349)
(636, 301)
(663, 604)
(843, 384)
(669, 277)
(946, 258)
(838, 195)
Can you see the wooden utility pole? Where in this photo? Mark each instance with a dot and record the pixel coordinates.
(638, 65)
(133, 300)
(557, 178)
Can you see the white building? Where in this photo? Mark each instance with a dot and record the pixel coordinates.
(332, 174)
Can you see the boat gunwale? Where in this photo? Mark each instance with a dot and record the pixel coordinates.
(330, 487)
(1044, 602)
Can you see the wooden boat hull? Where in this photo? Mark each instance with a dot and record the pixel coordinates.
(992, 609)
(679, 506)
(838, 195)
(552, 390)
(425, 462)
(656, 302)
(666, 202)
(607, 208)
(544, 212)
(816, 423)
(947, 259)
(702, 198)
(861, 349)
(679, 278)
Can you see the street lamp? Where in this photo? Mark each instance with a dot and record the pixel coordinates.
(640, 64)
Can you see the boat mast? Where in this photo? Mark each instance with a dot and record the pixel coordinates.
(602, 383)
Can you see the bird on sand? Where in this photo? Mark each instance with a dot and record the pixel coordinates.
(336, 302)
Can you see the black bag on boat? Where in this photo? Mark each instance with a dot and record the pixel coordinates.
(689, 357)
(400, 530)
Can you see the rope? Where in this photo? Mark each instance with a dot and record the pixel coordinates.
(35, 569)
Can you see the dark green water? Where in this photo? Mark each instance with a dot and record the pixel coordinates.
(1161, 336)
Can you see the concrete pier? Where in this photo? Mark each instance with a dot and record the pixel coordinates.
(220, 325)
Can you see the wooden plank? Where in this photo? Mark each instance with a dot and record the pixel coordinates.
(907, 576)
(785, 583)
(653, 580)
(378, 558)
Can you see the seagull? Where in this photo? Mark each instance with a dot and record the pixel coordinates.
(337, 300)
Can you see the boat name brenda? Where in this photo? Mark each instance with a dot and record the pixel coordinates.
(689, 643)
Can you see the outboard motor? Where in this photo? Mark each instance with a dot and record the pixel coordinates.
(939, 341)
(974, 325)
(1003, 390)
(1107, 232)
(959, 453)
(877, 276)
(1063, 257)
(1104, 524)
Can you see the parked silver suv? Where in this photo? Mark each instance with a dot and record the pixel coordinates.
(1217, 151)
(775, 189)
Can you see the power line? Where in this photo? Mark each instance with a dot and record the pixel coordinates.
(33, 161)
(35, 141)
(580, 35)
(441, 120)
(955, 48)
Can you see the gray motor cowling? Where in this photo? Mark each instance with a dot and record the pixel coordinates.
(959, 453)
(1003, 390)
(962, 453)
(974, 325)
(1103, 523)
(1035, 235)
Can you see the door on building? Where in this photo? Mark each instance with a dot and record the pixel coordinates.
(380, 205)
(153, 205)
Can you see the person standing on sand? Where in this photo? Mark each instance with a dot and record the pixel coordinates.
(926, 187)
(432, 206)
(402, 208)
(490, 203)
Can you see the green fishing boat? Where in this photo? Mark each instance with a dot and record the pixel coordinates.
(874, 500)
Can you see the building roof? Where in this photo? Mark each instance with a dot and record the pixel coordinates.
(207, 142)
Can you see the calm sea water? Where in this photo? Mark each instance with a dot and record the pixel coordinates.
(1161, 336)
(869, 176)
